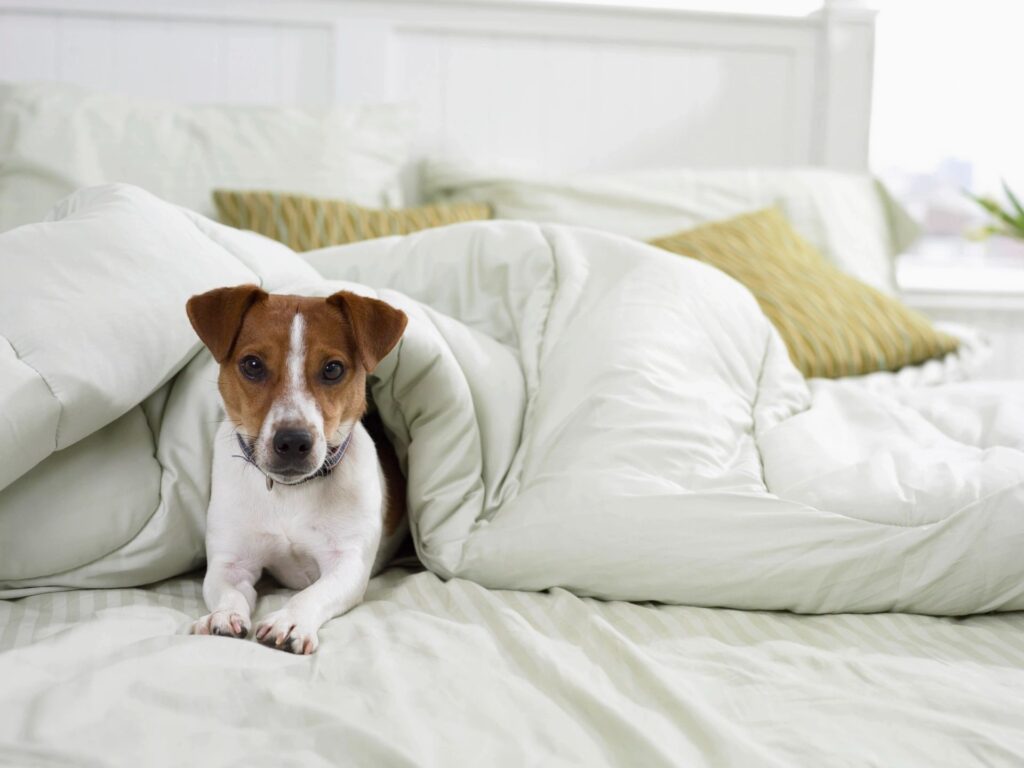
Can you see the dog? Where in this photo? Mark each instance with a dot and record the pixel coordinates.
(300, 488)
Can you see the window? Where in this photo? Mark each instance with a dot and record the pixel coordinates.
(948, 112)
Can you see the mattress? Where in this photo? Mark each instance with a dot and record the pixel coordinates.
(428, 672)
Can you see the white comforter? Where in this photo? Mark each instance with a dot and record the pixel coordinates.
(574, 409)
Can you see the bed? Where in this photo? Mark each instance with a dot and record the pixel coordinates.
(514, 645)
(429, 672)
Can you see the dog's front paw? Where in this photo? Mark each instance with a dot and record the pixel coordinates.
(221, 623)
(287, 631)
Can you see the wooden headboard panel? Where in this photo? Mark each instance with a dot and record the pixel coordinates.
(562, 86)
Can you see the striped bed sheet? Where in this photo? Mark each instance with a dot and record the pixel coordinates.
(428, 672)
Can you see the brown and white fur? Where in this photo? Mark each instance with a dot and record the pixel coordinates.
(292, 378)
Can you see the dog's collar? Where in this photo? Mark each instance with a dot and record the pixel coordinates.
(334, 457)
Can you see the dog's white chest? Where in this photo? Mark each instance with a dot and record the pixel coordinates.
(292, 563)
(296, 532)
(300, 529)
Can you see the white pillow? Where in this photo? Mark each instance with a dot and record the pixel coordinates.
(849, 217)
(55, 139)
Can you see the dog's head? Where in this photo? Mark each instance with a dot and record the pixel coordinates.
(293, 369)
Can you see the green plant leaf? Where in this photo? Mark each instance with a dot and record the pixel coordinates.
(1016, 204)
(996, 210)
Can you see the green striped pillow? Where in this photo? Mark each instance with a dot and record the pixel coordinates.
(833, 324)
(305, 223)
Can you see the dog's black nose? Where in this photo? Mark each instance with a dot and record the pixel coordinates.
(292, 443)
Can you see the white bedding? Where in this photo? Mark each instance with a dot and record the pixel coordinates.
(668, 448)
(428, 673)
(574, 409)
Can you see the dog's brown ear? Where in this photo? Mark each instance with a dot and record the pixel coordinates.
(376, 325)
(217, 316)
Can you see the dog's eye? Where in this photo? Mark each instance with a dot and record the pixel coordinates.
(332, 371)
(252, 367)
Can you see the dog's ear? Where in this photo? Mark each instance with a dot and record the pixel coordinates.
(376, 325)
(217, 316)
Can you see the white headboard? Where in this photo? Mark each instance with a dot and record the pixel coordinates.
(565, 86)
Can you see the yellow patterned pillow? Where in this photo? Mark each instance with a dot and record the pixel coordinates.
(305, 223)
(833, 324)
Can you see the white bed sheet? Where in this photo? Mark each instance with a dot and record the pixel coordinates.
(433, 673)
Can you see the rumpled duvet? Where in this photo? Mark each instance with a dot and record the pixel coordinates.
(573, 409)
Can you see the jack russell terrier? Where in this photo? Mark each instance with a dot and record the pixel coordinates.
(299, 487)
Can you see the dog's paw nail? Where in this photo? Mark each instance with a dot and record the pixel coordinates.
(222, 624)
(282, 632)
